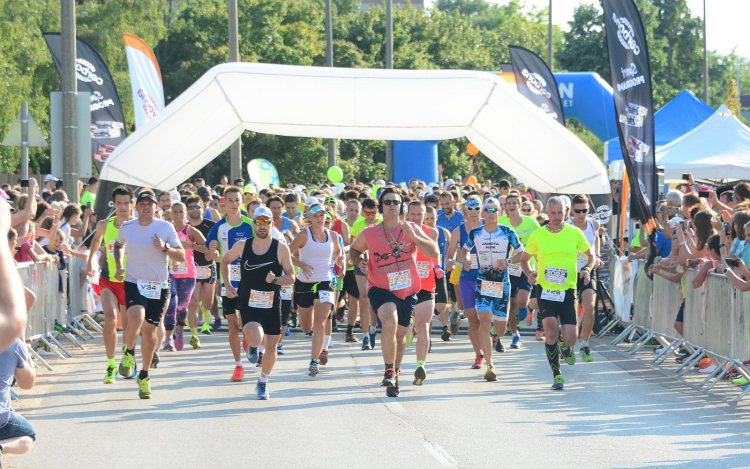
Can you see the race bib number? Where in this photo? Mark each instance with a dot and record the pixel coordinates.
(111, 249)
(556, 275)
(261, 299)
(492, 289)
(150, 290)
(515, 270)
(325, 296)
(399, 280)
(234, 273)
(553, 295)
(474, 262)
(423, 269)
(179, 268)
(203, 272)
(286, 292)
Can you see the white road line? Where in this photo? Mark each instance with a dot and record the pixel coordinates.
(366, 370)
(440, 454)
(393, 406)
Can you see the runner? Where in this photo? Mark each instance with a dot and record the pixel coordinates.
(497, 246)
(427, 270)
(225, 233)
(392, 278)
(281, 222)
(586, 290)
(337, 282)
(353, 209)
(204, 195)
(342, 229)
(183, 277)
(150, 242)
(367, 318)
(556, 247)
(313, 292)
(441, 284)
(112, 290)
(262, 260)
(449, 218)
(520, 289)
(205, 274)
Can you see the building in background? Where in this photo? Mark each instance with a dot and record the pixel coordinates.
(367, 4)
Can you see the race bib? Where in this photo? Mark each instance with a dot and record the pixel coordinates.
(150, 290)
(286, 292)
(556, 275)
(474, 262)
(111, 249)
(423, 269)
(325, 296)
(179, 268)
(492, 289)
(234, 273)
(553, 295)
(515, 270)
(261, 299)
(202, 272)
(399, 280)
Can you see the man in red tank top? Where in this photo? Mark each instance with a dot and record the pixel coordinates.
(392, 277)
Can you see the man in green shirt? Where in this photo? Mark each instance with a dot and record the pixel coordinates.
(89, 197)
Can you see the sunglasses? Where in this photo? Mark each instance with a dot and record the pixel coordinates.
(582, 210)
(474, 209)
(369, 214)
(262, 222)
(491, 210)
(526, 210)
(391, 202)
(195, 207)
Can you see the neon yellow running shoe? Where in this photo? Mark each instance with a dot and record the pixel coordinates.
(490, 375)
(144, 388)
(111, 375)
(195, 342)
(127, 365)
(586, 354)
(206, 328)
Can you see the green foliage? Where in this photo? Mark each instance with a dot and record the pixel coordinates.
(733, 101)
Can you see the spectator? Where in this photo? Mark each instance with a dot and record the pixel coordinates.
(714, 256)
(17, 436)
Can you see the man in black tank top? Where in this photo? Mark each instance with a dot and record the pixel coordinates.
(264, 259)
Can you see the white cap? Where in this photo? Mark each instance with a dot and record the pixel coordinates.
(450, 181)
(422, 194)
(262, 212)
(380, 181)
(175, 195)
(311, 200)
(491, 202)
(50, 177)
(566, 200)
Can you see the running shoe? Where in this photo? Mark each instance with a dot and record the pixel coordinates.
(738, 381)
(539, 336)
(446, 335)
(499, 346)
(323, 359)
(558, 384)
(168, 345)
(287, 332)
(682, 357)
(567, 353)
(195, 342)
(216, 325)
(313, 369)
(340, 313)
(366, 343)
(260, 359)
(179, 342)
(127, 365)
(155, 360)
(260, 388)
(455, 317)
(372, 339)
(516, 342)
(279, 349)
(419, 376)
(239, 373)
(252, 354)
(351, 338)
(110, 377)
(389, 378)
(144, 388)
(478, 363)
(490, 374)
(206, 329)
(135, 371)
(586, 354)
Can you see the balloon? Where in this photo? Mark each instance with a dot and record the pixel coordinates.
(472, 149)
(335, 174)
(472, 180)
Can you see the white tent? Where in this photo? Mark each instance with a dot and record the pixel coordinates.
(355, 104)
(717, 149)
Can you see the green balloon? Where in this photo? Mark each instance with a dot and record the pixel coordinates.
(335, 174)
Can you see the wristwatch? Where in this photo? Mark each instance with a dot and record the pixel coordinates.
(726, 269)
(166, 248)
(509, 261)
(273, 282)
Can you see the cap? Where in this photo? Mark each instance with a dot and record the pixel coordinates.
(566, 200)
(204, 194)
(311, 200)
(491, 202)
(248, 189)
(145, 196)
(706, 365)
(262, 212)
(422, 194)
(449, 181)
(176, 195)
(380, 181)
(330, 200)
(473, 203)
(315, 208)
(50, 177)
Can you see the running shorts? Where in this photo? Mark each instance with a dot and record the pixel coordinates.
(154, 307)
(468, 289)
(404, 308)
(211, 278)
(229, 305)
(306, 293)
(117, 288)
(441, 290)
(425, 295)
(498, 306)
(350, 284)
(519, 283)
(590, 286)
(565, 310)
(268, 318)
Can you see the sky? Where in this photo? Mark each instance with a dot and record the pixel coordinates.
(727, 19)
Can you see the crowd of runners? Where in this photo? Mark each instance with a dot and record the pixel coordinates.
(380, 258)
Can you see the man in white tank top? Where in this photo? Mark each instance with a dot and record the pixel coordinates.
(586, 293)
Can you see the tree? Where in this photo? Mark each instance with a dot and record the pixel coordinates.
(733, 101)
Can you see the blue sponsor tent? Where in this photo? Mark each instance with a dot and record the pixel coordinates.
(676, 118)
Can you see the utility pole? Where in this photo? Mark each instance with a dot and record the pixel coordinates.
(69, 100)
(25, 145)
(549, 37)
(329, 63)
(389, 65)
(235, 151)
(705, 57)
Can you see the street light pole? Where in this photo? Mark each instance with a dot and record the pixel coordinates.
(69, 100)
(389, 65)
(235, 151)
(705, 57)
(549, 37)
(329, 63)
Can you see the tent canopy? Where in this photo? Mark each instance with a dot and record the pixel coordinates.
(676, 118)
(717, 149)
(355, 104)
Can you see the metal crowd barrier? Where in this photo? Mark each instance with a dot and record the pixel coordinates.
(716, 323)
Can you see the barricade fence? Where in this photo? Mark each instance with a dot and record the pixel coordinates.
(716, 322)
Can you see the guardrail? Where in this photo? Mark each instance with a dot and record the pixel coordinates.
(716, 323)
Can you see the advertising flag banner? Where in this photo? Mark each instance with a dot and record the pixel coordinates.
(262, 173)
(145, 80)
(634, 107)
(535, 81)
(107, 117)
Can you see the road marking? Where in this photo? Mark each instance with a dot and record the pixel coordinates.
(393, 406)
(440, 454)
(366, 370)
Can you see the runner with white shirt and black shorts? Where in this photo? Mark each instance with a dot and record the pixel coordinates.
(263, 260)
(150, 242)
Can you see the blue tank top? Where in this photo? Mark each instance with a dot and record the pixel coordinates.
(468, 274)
(441, 246)
(287, 226)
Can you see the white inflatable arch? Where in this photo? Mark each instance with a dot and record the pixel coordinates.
(355, 104)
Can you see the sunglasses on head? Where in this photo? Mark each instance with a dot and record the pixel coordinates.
(262, 222)
(491, 210)
(369, 214)
(194, 207)
(391, 202)
(580, 210)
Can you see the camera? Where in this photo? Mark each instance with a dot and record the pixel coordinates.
(732, 262)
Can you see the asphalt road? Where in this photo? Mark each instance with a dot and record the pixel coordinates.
(616, 412)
